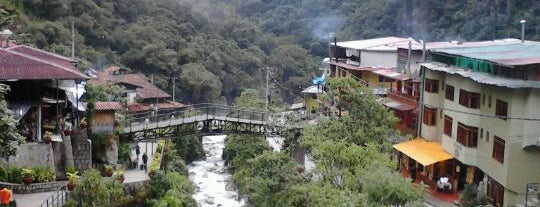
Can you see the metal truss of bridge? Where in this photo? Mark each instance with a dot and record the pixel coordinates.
(205, 118)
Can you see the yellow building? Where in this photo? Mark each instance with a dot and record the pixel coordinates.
(312, 101)
(481, 104)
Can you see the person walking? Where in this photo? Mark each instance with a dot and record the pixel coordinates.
(145, 159)
(137, 151)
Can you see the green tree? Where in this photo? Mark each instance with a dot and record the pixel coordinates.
(10, 139)
(240, 148)
(249, 98)
(266, 175)
(367, 120)
(205, 86)
(171, 189)
(351, 152)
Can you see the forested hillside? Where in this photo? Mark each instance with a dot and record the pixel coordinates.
(216, 48)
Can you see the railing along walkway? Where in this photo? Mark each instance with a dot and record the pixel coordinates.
(57, 199)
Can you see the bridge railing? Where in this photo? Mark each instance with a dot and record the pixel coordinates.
(199, 112)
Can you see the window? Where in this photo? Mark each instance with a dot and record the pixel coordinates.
(448, 125)
(430, 114)
(469, 99)
(384, 79)
(498, 149)
(432, 86)
(487, 136)
(449, 92)
(501, 109)
(467, 135)
(495, 192)
(489, 101)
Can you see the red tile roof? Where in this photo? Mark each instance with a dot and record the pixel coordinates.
(145, 89)
(139, 107)
(21, 66)
(46, 56)
(104, 106)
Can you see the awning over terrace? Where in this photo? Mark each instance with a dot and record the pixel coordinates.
(424, 152)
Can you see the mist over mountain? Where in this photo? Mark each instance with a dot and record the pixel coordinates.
(228, 42)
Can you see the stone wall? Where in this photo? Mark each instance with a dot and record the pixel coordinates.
(34, 187)
(32, 155)
(82, 151)
(59, 157)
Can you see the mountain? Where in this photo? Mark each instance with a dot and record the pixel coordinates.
(217, 48)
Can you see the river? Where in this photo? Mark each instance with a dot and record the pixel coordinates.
(211, 176)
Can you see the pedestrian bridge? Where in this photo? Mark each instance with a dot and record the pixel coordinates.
(206, 118)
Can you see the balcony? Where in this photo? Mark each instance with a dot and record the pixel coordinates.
(402, 97)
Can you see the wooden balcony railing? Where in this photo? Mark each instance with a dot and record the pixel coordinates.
(401, 97)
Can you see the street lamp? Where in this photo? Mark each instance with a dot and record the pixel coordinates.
(146, 121)
(5, 34)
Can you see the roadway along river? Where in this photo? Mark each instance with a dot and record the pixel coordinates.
(211, 177)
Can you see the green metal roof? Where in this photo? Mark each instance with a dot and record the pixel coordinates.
(510, 55)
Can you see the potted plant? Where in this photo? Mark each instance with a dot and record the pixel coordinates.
(27, 175)
(67, 130)
(120, 176)
(72, 180)
(109, 170)
(48, 137)
(83, 124)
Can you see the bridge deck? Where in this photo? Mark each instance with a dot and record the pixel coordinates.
(139, 126)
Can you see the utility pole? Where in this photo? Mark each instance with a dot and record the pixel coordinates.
(173, 87)
(267, 89)
(72, 38)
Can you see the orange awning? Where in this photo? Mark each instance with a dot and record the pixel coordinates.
(424, 152)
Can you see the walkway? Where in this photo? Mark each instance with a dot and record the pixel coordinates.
(137, 175)
(436, 202)
(31, 200)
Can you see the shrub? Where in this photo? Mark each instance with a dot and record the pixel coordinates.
(124, 152)
(27, 172)
(4, 175)
(171, 189)
(44, 174)
(14, 175)
(94, 190)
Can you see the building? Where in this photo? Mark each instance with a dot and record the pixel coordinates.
(481, 104)
(312, 103)
(141, 95)
(44, 96)
(376, 63)
(104, 116)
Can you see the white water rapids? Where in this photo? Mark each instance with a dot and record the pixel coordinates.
(211, 177)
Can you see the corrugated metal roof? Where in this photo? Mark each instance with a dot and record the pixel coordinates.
(384, 43)
(314, 89)
(391, 73)
(510, 54)
(456, 44)
(483, 78)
